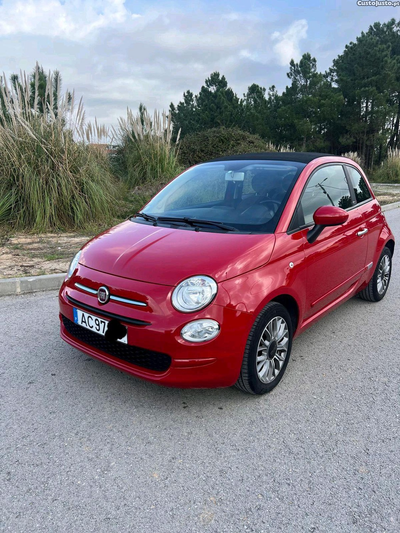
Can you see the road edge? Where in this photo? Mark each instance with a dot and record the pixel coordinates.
(389, 207)
(25, 285)
(49, 282)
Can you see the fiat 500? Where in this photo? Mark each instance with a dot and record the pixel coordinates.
(210, 282)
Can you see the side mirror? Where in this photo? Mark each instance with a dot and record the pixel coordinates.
(327, 215)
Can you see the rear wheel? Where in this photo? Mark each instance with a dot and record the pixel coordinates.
(379, 283)
(267, 350)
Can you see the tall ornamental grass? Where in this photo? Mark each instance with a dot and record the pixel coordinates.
(146, 150)
(6, 203)
(50, 176)
(389, 170)
(354, 156)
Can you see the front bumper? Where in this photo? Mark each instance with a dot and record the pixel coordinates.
(214, 363)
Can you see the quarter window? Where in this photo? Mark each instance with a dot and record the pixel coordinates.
(360, 187)
(327, 186)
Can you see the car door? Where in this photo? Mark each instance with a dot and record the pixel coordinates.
(336, 260)
(370, 209)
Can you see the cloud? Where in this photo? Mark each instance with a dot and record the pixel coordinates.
(72, 19)
(115, 58)
(118, 53)
(288, 45)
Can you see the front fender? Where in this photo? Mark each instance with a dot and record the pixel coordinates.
(286, 276)
(384, 237)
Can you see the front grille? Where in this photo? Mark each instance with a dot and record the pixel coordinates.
(159, 362)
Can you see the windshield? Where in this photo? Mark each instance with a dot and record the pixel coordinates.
(241, 196)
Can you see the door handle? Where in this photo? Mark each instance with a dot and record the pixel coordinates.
(363, 232)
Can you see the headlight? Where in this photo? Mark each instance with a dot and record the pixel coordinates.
(200, 330)
(194, 294)
(73, 264)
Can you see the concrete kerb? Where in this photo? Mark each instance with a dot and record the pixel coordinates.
(16, 286)
(389, 207)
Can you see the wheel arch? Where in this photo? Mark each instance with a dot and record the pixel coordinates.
(290, 303)
(386, 238)
(390, 244)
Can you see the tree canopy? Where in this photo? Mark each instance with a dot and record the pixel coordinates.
(353, 107)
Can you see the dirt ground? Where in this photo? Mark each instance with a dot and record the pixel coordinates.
(33, 255)
(386, 193)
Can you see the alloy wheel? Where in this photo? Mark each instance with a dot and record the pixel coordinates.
(383, 276)
(272, 349)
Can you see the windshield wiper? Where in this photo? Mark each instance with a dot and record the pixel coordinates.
(147, 217)
(196, 222)
(184, 220)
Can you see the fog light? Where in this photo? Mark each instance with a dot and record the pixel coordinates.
(200, 330)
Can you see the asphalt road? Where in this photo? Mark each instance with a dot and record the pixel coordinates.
(86, 448)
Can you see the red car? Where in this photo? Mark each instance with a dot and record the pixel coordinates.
(210, 283)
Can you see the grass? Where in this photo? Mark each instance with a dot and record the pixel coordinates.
(146, 153)
(53, 257)
(354, 156)
(6, 203)
(51, 178)
(389, 170)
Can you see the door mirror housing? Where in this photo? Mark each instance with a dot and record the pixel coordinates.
(327, 215)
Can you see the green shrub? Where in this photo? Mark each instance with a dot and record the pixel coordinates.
(146, 152)
(53, 178)
(217, 142)
(389, 170)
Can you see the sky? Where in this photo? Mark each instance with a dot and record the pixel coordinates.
(119, 53)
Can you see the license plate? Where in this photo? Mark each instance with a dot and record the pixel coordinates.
(94, 323)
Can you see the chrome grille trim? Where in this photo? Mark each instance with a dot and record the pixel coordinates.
(127, 301)
(114, 298)
(84, 288)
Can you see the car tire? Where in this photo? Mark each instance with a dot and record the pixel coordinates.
(379, 283)
(267, 351)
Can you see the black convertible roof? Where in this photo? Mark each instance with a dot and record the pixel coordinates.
(299, 157)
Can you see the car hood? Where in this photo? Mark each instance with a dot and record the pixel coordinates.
(166, 256)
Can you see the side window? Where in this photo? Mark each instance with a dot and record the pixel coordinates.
(360, 187)
(327, 186)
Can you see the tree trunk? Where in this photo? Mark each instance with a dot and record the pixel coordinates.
(394, 137)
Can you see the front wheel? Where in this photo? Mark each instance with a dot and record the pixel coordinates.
(379, 283)
(267, 350)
